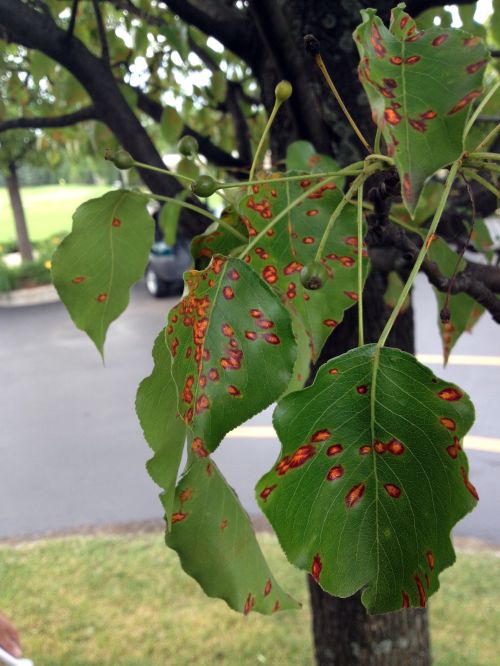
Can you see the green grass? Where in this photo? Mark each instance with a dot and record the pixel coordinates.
(82, 601)
(48, 209)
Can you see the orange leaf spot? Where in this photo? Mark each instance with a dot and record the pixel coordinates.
(330, 322)
(301, 456)
(365, 450)
(232, 390)
(379, 447)
(267, 491)
(333, 371)
(392, 490)
(198, 448)
(312, 212)
(362, 389)
(450, 394)
(406, 600)
(270, 274)
(78, 280)
(316, 567)
(396, 60)
(430, 559)
(255, 314)
(250, 335)
(468, 484)
(395, 447)
(249, 604)
(412, 59)
(268, 588)
(178, 517)
(392, 116)
(334, 449)
(355, 495)
(321, 435)
(293, 267)
(335, 473)
(233, 274)
(421, 592)
(308, 240)
(102, 297)
(272, 338)
(265, 323)
(227, 330)
(228, 293)
(185, 495)
(116, 222)
(440, 39)
(462, 103)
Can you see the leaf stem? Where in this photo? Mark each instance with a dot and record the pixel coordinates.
(485, 183)
(487, 166)
(320, 62)
(378, 135)
(484, 156)
(479, 108)
(166, 172)
(183, 204)
(352, 170)
(361, 336)
(357, 182)
(270, 121)
(282, 214)
(421, 255)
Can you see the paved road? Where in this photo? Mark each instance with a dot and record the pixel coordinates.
(73, 454)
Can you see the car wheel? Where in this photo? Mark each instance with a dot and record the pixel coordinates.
(155, 285)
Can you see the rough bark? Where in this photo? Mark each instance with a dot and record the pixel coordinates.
(16, 203)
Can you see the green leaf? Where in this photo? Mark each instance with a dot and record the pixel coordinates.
(426, 207)
(233, 349)
(394, 288)
(164, 431)
(302, 156)
(368, 487)
(97, 263)
(420, 85)
(169, 218)
(481, 239)
(213, 536)
(187, 167)
(217, 240)
(171, 124)
(292, 243)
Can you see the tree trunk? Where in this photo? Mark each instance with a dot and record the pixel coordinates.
(23, 240)
(344, 634)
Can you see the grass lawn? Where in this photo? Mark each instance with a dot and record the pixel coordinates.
(82, 601)
(48, 209)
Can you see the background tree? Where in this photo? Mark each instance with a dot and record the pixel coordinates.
(128, 64)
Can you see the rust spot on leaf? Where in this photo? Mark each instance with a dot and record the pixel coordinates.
(271, 338)
(355, 495)
(395, 447)
(335, 472)
(178, 517)
(267, 491)
(450, 394)
(316, 567)
(102, 297)
(198, 448)
(78, 280)
(440, 39)
(421, 592)
(334, 449)
(392, 490)
(268, 587)
(321, 435)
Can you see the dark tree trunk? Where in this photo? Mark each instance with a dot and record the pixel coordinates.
(344, 634)
(23, 240)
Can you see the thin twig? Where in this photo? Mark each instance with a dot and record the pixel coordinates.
(102, 31)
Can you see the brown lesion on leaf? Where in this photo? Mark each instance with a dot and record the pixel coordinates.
(78, 280)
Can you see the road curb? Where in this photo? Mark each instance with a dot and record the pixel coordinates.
(33, 296)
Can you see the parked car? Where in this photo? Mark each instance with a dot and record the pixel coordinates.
(166, 266)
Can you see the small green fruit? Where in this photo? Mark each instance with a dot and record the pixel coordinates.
(313, 275)
(283, 91)
(204, 186)
(188, 146)
(122, 160)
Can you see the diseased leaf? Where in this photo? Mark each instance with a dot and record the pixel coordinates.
(283, 251)
(367, 487)
(464, 310)
(420, 84)
(233, 349)
(164, 431)
(97, 263)
(216, 544)
(426, 207)
(217, 240)
(302, 156)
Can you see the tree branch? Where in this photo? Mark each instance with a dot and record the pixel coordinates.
(87, 113)
(230, 28)
(72, 20)
(213, 153)
(102, 31)
(478, 282)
